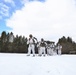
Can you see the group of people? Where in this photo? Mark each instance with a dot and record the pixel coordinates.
(43, 47)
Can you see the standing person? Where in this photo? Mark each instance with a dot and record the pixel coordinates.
(31, 43)
(59, 48)
(52, 48)
(42, 47)
(38, 46)
(48, 47)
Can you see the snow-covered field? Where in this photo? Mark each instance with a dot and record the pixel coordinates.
(20, 64)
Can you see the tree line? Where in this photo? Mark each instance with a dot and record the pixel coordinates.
(19, 44)
(69, 46)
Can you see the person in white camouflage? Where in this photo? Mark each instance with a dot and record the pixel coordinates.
(52, 48)
(59, 49)
(42, 46)
(31, 43)
(48, 48)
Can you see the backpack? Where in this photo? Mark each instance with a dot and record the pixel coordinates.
(42, 44)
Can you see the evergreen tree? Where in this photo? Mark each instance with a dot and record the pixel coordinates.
(3, 37)
(67, 45)
(69, 39)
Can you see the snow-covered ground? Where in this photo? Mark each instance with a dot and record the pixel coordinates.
(20, 64)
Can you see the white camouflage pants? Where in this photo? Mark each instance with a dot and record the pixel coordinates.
(59, 52)
(42, 51)
(31, 48)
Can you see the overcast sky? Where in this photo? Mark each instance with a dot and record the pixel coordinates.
(48, 19)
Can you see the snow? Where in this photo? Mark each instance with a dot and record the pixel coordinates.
(21, 64)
